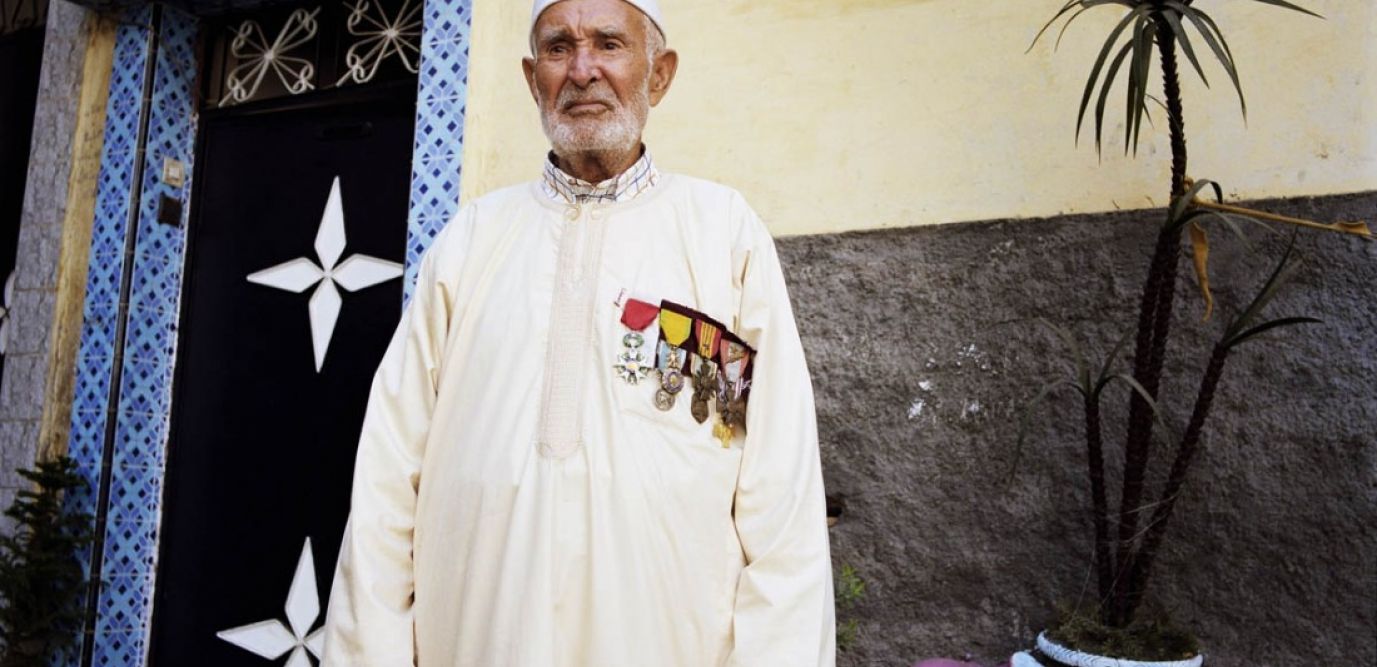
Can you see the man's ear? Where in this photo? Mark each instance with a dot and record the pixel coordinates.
(528, 67)
(662, 74)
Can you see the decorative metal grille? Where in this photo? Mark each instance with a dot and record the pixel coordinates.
(20, 14)
(256, 56)
(380, 36)
(281, 52)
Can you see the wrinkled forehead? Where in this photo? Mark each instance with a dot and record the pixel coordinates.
(649, 8)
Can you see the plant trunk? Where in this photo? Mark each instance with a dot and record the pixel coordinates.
(1154, 325)
(1137, 575)
(1104, 567)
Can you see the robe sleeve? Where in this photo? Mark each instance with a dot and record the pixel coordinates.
(369, 617)
(784, 606)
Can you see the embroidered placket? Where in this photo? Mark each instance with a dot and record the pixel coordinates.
(571, 330)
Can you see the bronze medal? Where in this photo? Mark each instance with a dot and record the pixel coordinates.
(704, 388)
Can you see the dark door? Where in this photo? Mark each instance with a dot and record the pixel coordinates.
(21, 56)
(267, 411)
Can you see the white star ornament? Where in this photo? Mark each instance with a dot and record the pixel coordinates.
(353, 274)
(271, 639)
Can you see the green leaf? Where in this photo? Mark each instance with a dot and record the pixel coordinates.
(1027, 413)
(1067, 26)
(1104, 92)
(1060, 13)
(1185, 41)
(1105, 376)
(1280, 275)
(1268, 326)
(1200, 214)
(1147, 398)
(1180, 205)
(1078, 355)
(1142, 61)
(1209, 30)
(1290, 6)
(1099, 66)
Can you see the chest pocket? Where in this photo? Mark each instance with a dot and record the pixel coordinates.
(652, 418)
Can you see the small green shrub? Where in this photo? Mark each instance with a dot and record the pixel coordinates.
(42, 586)
(848, 591)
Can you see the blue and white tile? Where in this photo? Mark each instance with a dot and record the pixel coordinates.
(435, 188)
(439, 129)
(122, 604)
(134, 554)
(143, 387)
(443, 73)
(99, 320)
(157, 280)
(140, 442)
(446, 20)
(119, 649)
(87, 442)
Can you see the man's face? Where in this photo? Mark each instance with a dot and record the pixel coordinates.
(592, 77)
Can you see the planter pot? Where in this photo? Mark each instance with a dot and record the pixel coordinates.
(1076, 658)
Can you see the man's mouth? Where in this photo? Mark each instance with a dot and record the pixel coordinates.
(586, 108)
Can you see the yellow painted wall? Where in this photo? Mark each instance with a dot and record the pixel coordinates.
(833, 115)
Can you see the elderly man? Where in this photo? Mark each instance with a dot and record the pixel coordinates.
(591, 440)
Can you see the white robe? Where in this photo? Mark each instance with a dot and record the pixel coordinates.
(641, 542)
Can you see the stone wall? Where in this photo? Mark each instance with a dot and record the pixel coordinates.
(923, 347)
(37, 371)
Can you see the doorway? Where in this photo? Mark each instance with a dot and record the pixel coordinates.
(292, 291)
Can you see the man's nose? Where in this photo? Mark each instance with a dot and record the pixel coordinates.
(584, 69)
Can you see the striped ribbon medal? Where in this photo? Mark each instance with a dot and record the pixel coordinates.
(733, 357)
(705, 370)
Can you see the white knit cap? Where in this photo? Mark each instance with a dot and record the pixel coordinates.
(650, 8)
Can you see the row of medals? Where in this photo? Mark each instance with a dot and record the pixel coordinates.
(708, 384)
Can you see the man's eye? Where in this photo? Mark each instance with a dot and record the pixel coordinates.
(557, 50)
(611, 46)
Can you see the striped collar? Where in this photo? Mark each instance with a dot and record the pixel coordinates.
(639, 177)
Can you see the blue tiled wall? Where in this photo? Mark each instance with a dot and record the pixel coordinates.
(440, 102)
(106, 266)
(144, 396)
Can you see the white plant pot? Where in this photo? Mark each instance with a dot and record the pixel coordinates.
(1076, 658)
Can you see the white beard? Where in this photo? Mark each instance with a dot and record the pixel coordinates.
(618, 130)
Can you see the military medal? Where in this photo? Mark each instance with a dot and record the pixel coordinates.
(704, 382)
(633, 364)
(733, 358)
(633, 367)
(675, 329)
(705, 371)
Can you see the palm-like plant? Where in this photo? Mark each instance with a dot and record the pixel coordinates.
(1157, 27)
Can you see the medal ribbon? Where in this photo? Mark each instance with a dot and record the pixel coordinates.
(675, 327)
(708, 337)
(637, 315)
(733, 359)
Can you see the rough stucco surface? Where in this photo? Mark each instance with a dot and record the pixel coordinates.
(40, 241)
(923, 347)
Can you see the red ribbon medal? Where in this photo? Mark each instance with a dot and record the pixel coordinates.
(637, 315)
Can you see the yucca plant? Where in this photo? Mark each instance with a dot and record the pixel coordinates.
(1126, 548)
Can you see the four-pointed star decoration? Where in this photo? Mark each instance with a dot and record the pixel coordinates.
(5, 313)
(270, 639)
(355, 273)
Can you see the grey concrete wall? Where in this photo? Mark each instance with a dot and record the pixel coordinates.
(26, 373)
(923, 347)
